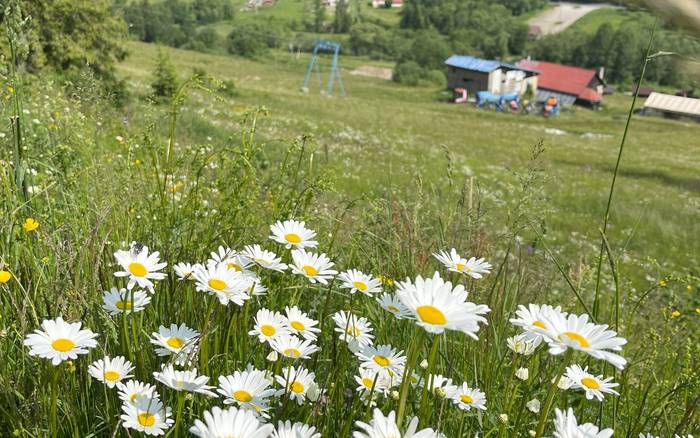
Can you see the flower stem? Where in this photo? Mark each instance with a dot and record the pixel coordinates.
(551, 395)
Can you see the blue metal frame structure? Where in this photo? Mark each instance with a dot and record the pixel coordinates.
(325, 46)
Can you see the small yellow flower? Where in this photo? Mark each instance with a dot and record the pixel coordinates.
(5, 276)
(662, 283)
(386, 280)
(689, 288)
(10, 89)
(675, 314)
(137, 162)
(45, 259)
(697, 310)
(30, 224)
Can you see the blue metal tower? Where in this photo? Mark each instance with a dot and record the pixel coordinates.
(325, 46)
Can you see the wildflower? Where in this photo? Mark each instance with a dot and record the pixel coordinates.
(111, 371)
(147, 415)
(424, 364)
(179, 341)
(353, 329)
(297, 430)
(522, 373)
(521, 345)
(315, 267)
(229, 258)
(293, 233)
(30, 224)
(566, 426)
(475, 268)
(184, 271)
(272, 356)
(292, 347)
(382, 358)
(440, 385)
(381, 426)
(133, 389)
(183, 380)
(438, 307)
(140, 266)
(263, 258)
(595, 386)
(226, 284)
(300, 324)
(467, 398)
(533, 406)
(503, 418)
(386, 280)
(269, 325)
(357, 281)
(577, 332)
(296, 382)
(563, 383)
(531, 318)
(393, 305)
(5, 276)
(248, 389)
(60, 340)
(372, 380)
(116, 301)
(231, 422)
(675, 314)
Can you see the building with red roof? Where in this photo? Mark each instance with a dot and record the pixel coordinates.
(566, 83)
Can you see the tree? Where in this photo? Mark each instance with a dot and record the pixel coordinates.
(246, 40)
(342, 21)
(164, 77)
(319, 15)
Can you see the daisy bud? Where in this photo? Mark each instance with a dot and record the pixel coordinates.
(273, 356)
(424, 364)
(522, 373)
(313, 393)
(503, 418)
(532, 433)
(395, 395)
(563, 383)
(533, 406)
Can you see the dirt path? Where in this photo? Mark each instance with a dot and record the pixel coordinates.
(563, 15)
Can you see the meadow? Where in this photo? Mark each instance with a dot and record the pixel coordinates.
(384, 178)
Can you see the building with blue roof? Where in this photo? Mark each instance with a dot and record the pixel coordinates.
(496, 77)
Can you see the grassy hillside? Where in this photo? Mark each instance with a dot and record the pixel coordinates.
(383, 137)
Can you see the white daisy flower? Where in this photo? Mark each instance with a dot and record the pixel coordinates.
(440, 385)
(300, 324)
(296, 382)
(231, 422)
(385, 427)
(147, 415)
(357, 281)
(60, 340)
(269, 325)
(594, 386)
(382, 358)
(116, 301)
(181, 342)
(475, 268)
(248, 389)
(438, 307)
(111, 371)
(353, 330)
(263, 258)
(228, 285)
(292, 347)
(393, 305)
(566, 426)
(531, 320)
(379, 380)
(133, 389)
(315, 267)
(523, 344)
(185, 271)
(577, 332)
(140, 266)
(231, 259)
(293, 233)
(467, 398)
(183, 380)
(297, 430)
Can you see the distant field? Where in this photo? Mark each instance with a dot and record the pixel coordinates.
(593, 20)
(390, 135)
(562, 15)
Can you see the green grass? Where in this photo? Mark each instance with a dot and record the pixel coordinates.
(590, 22)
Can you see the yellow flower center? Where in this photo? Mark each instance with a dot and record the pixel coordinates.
(431, 315)
(5, 277)
(296, 325)
(310, 270)
(268, 330)
(353, 331)
(111, 376)
(292, 238)
(147, 420)
(176, 343)
(124, 304)
(459, 266)
(368, 382)
(234, 266)
(393, 309)
(359, 285)
(133, 397)
(292, 352)
(217, 284)
(296, 386)
(382, 361)
(590, 383)
(63, 345)
(466, 399)
(137, 269)
(242, 396)
(582, 342)
(540, 324)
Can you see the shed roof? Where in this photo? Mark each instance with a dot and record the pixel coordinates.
(673, 104)
(483, 65)
(564, 79)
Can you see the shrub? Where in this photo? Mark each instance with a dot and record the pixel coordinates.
(407, 73)
(165, 79)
